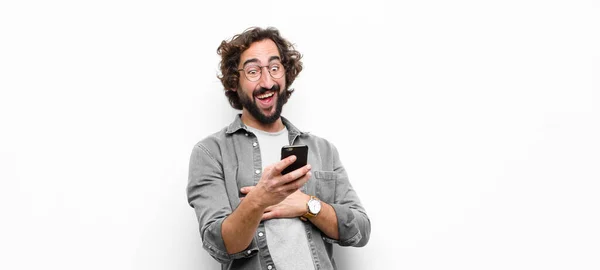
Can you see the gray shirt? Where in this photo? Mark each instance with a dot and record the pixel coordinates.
(226, 161)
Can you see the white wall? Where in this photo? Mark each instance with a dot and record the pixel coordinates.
(470, 130)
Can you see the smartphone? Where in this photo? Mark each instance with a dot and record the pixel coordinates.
(301, 153)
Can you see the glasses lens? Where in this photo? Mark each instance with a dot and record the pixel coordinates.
(276, 70)
(252, 72)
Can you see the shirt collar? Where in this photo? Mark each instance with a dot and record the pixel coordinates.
(237, 124)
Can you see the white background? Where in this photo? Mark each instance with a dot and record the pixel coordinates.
(469, 129)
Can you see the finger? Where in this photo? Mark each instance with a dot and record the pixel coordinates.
(246, 190)
(269, 215)
(295, 185)
(294, 175)
(282, 164)
(270, 208)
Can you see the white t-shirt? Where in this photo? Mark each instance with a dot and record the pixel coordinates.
(286, 237)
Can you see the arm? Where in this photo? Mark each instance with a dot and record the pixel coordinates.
(239, 228)
(344, 221)
(206, 193)
(327, 221)
(354, 226)
(225, 233)
(295, 206)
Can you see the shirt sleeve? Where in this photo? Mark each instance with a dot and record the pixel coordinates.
(206, 193)
(354, 226)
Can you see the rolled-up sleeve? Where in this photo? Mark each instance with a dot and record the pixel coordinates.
(354, 226)
(206, 193)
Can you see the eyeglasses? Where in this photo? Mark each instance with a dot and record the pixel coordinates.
(253, 72)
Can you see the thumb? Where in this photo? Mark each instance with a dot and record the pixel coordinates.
(246, 190)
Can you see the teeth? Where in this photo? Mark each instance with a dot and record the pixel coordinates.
(266, 95)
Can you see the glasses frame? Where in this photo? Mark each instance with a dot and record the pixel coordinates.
(260, 68)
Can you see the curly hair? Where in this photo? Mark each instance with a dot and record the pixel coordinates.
(231, 51)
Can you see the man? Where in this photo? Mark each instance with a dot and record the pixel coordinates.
(250, 215)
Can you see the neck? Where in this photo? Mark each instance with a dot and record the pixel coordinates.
(249, 120)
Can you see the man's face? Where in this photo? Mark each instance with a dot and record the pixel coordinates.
(263, 98)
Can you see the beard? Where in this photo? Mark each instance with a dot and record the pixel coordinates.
(250, 104)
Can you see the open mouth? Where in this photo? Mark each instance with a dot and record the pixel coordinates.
(265, 95)
(265, 100)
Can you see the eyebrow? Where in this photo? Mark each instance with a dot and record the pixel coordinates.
(255, 60)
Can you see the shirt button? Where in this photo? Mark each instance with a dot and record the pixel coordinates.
(257, 171)
(246, 134)
(249, 252)
(269, 267)
(260, 234)
(254, 144)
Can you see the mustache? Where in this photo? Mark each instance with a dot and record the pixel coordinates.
(262, 90)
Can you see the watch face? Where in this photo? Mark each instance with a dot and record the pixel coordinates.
(314, 206)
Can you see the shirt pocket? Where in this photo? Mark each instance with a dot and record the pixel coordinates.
(326, 184)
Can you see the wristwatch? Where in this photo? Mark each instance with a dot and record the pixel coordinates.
(313, 207)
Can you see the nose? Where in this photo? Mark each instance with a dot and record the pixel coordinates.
(266, 81)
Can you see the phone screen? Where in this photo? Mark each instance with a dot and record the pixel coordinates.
(301, 153)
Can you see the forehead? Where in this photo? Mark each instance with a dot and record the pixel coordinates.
(261, 52)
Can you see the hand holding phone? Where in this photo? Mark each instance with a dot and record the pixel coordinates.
(301, 153)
